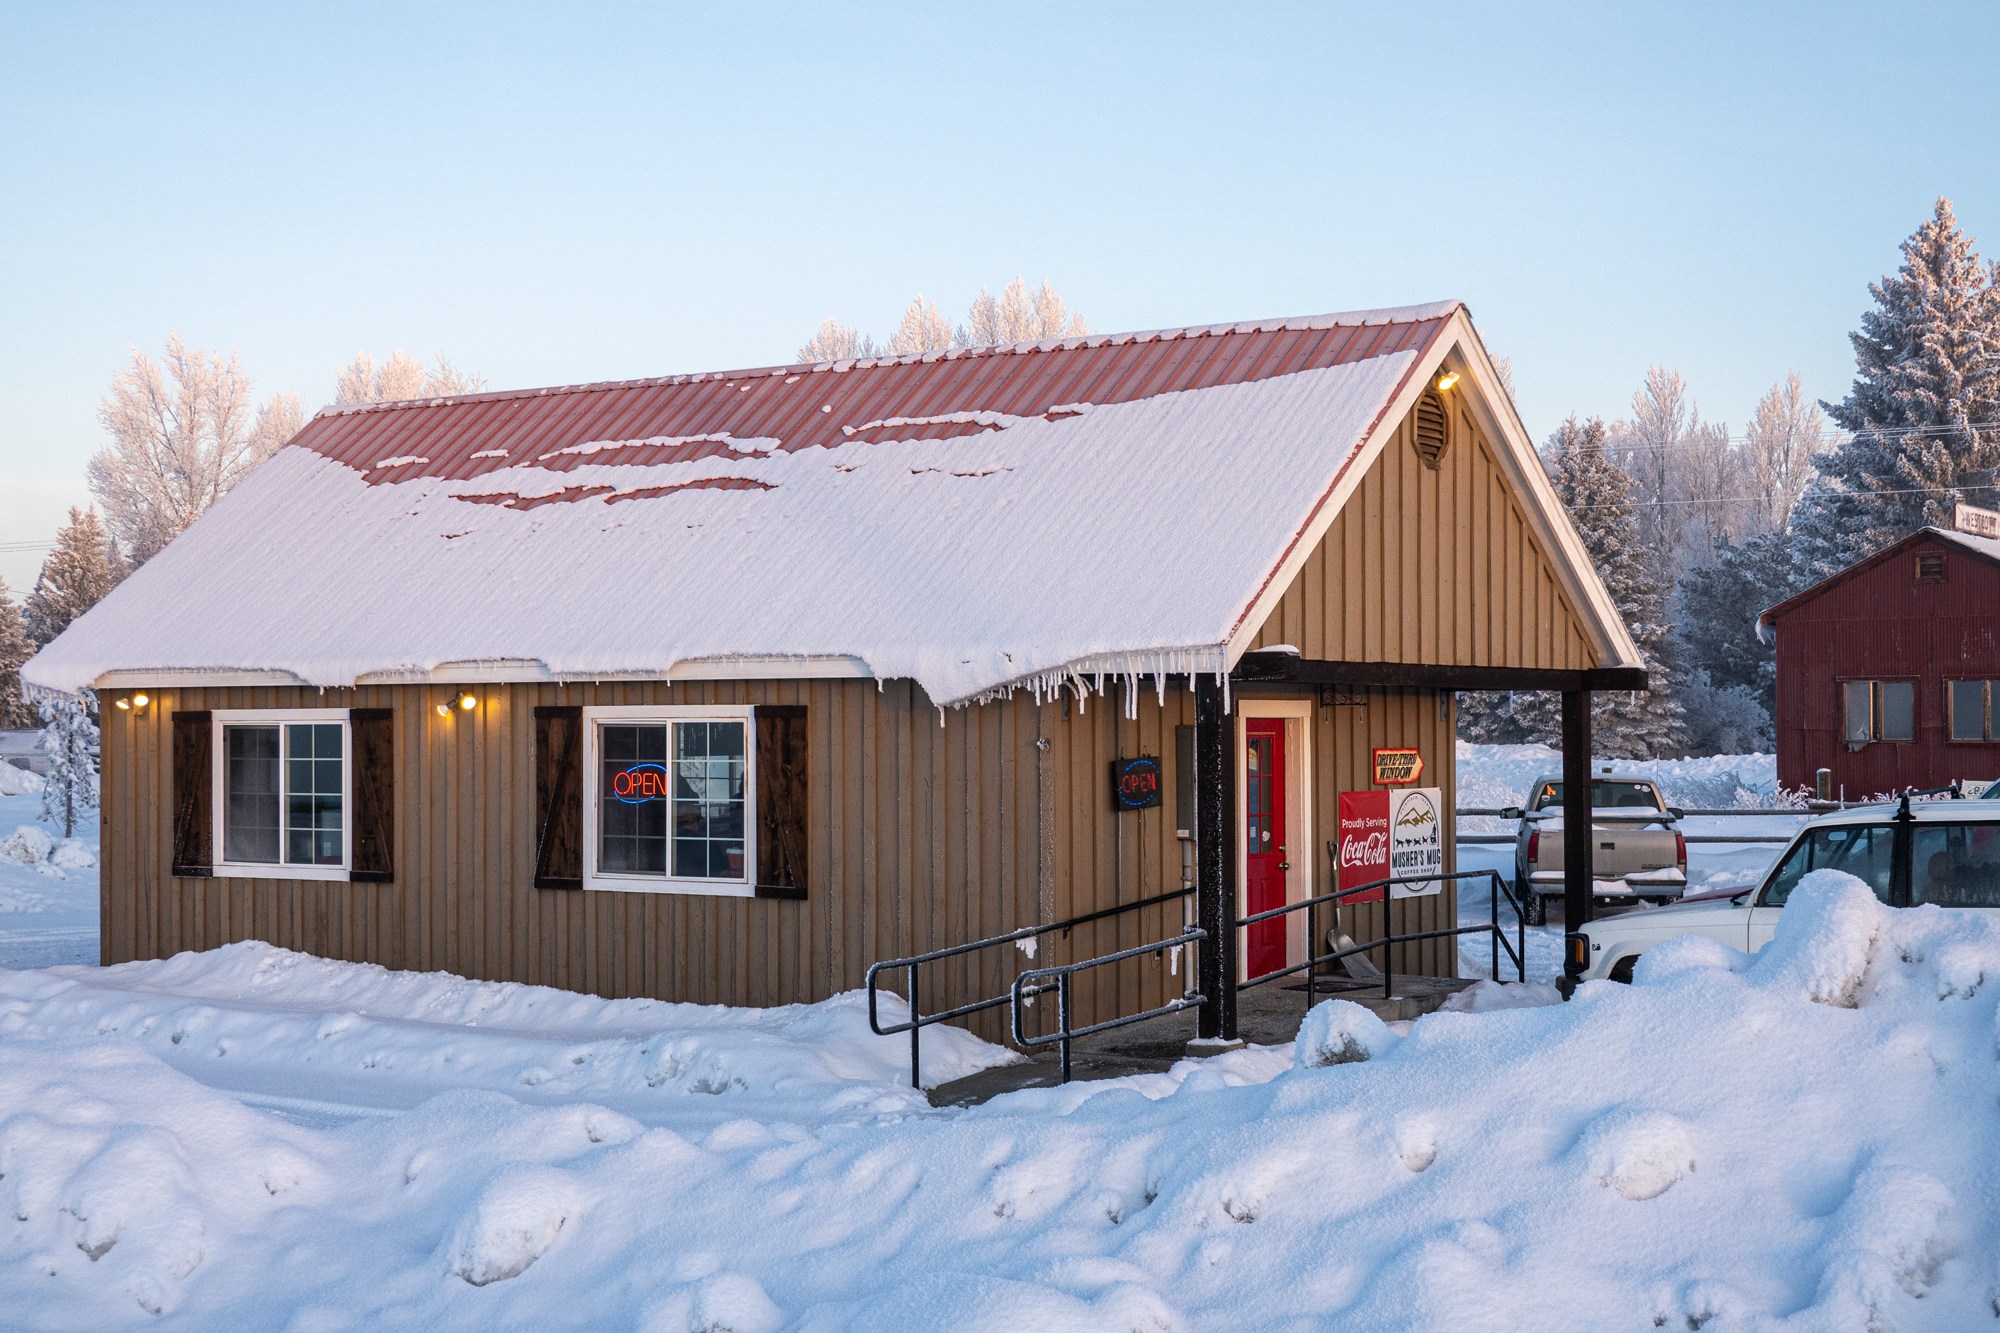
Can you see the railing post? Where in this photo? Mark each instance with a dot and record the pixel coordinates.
(1062, 1016)
(916, 1031)
(1215, 860)
(1493, 919)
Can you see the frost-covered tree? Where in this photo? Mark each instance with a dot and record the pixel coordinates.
(1719, 605)
(69, 741)
(1648, 448)
(1924, 410)
(15, 648)
(179, 441)
(836, 341)
(401, 378)
(1784, 434)
(1018, 316)
(76, 576)
(1598, 495)
(923, 329)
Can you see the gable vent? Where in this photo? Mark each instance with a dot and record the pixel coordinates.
(1433, 427)
(1930, 567)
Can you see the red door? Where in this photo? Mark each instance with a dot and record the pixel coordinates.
(1265, 861)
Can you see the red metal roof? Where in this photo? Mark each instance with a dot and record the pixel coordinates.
(803, 406)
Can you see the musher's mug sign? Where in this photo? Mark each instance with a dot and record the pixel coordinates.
(1392, 835)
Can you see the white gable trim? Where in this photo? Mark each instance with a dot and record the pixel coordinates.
(1517, 457)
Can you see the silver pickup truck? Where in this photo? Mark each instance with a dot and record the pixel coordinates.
(1639, 854)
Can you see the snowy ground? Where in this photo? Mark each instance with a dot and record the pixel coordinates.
(1806, 1141)
(48, 912)
(1492, 776)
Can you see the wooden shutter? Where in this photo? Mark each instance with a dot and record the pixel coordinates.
(781, 801)
(193, 787)
(559, 797)
(374, 733)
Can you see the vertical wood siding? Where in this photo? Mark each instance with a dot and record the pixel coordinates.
(1879, 623)
(1437, 567)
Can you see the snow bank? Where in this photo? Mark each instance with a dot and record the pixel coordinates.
(1500, 775)
(18, 781)
(1804, 1141)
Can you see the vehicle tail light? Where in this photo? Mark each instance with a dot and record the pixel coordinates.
(1680, 850)
(1534, 846)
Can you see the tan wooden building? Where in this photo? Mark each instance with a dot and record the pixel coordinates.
(722, 687)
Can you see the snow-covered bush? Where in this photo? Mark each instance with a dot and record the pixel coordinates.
(1339, 1032)
(18, 781)
(26, 845)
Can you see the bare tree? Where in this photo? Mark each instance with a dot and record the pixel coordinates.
(400, 378)
(836, 341)
(177, 447)
(924, 329)
(1785, 432)
(1015, 316)
(1707, 486)
(1503, 366)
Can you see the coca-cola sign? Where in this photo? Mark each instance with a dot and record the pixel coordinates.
(1391, 835)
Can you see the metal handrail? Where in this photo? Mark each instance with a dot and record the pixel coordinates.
(1042, 980)
(918, 1020)
(1517, 951)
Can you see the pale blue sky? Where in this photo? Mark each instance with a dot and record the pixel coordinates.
(578, 192)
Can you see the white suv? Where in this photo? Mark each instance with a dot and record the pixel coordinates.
(1942, 852)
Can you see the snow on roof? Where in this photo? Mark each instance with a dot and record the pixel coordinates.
(1986, 548)
(1077, 520)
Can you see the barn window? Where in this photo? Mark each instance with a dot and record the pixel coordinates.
(1970, 703)
(282, 793)
(1878, 710)
(1930, 567)
(1432, 421)
(668, 799)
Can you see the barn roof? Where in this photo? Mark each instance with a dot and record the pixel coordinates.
(975, 520)
(1985, 548)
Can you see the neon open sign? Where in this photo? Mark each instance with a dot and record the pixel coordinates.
(640, 783)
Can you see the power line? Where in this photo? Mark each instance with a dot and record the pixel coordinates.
(1762, 499)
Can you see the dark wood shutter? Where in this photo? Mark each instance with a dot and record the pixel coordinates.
(374, 733)
(193, 785)
(559, 797)
(781, 801)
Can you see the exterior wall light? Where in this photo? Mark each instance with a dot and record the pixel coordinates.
(466, 701)
(129, 702)
(1446, 380)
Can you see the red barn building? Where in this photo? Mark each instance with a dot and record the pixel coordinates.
(1889, 671)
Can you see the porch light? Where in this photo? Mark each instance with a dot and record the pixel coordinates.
(131, 701)
(125, 704)
(466, 701)
(141, 700)
(1446, 380)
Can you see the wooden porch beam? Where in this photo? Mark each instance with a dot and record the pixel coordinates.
(1284, 669)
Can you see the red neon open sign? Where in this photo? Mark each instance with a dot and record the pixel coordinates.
(640, 783)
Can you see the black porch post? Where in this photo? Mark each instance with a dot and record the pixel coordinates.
(1578, 840)
(1215, 861)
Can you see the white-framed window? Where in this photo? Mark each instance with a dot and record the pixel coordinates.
(668, 799)
(284, 793)
(1878, 710)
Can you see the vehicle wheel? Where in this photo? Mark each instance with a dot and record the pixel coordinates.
(1621, 971)
(1535, 909)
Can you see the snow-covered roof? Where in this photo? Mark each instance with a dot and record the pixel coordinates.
(1986, 548)
(974, 520)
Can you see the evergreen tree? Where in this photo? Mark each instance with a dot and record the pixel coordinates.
(1598, 495)
(68, 739)
(14, 650)
(83, 567)
(1719, 606)
(1925, 401)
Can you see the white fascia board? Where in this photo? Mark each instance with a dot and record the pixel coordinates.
(1523, 466)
